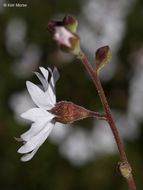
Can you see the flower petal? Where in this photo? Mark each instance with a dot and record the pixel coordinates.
(45, 72)
(29, 156)
(40, 98)
(56, 74)
(42, 80)
(36, 114)
(51, 94)
(62, 36)
(18, 139)
(51, 90)
(35, 129)
(37, 140)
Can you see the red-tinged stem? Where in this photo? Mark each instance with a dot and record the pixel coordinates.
(131, 183)
(97, 115)
(110, 120)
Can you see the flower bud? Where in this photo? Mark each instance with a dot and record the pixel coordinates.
(103, 55)
(70, 23)
(63, 34)
(125, 169)
(67, 112)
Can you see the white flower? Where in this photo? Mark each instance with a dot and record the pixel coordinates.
(62, 36)
(40, 116)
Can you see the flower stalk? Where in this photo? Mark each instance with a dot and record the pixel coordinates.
(64, 33)
(94, 76)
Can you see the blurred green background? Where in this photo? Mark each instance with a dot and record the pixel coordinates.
(82, 156)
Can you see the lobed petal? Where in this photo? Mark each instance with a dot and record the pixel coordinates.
(36, 114)
(35, 129)
(18, 139)
(29, 156)
(40, 98)
(37, 140)
(56, 75)
(51, 88)
(42, 80)
(45, 72)
(51, 94)
(62, 36)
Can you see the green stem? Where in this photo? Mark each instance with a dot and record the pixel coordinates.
(110, 120)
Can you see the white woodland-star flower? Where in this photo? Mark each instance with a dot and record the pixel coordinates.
(62, 36)
(42, 119)
(64, 33)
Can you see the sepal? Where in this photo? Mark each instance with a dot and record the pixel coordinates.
(70, 22)
(68, 112)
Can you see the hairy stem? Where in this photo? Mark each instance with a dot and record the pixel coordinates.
(109, 117)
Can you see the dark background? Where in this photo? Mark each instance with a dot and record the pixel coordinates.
(25, 45)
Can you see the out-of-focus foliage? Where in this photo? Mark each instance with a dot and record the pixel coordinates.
(48, 169)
